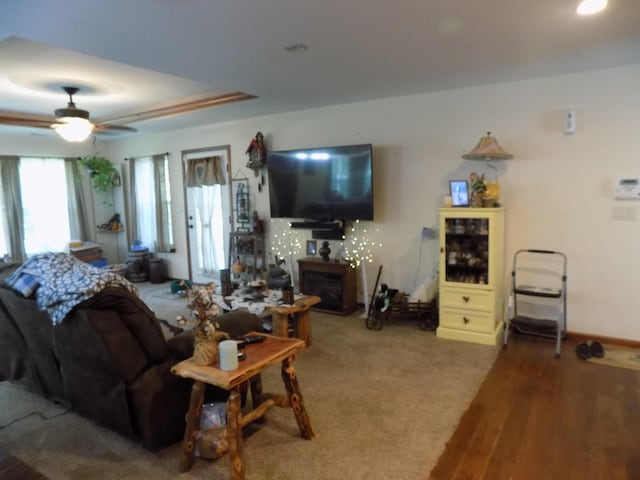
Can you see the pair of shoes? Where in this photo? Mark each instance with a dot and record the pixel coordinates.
(597, 350)
(586, 350)
(583, 351)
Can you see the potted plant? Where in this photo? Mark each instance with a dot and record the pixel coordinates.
(101, 171)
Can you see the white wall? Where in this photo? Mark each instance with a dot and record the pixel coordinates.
(557, 189)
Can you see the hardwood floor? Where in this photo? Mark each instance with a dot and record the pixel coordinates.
(541, 418)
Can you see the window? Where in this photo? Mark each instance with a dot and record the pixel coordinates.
(151, 202)
(46, 217)
(42, 205)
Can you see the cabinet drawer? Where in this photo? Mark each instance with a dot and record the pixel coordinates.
(467, 320)
(473, 299)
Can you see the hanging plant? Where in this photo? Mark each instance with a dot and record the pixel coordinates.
(101, 171)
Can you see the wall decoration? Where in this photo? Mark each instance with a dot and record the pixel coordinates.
(240, 203)
(257, 153)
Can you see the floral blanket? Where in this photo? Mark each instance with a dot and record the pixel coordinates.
(64, 282)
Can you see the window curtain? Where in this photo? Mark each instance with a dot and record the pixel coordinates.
(132, 231)
(79, 227)
(13, 219)
(150, 219)
(143, 194)
(164, 226)
(203, 179)
(206, 171)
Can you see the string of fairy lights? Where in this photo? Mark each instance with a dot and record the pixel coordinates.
(358, 246)
(286, 242)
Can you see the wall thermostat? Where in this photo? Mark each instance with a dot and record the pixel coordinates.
(627, 189)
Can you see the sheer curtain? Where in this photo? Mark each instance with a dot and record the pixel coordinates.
(143, 217)
(203, 179)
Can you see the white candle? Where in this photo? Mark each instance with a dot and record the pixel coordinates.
(228, 355)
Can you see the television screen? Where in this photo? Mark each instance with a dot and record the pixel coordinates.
(327, 183)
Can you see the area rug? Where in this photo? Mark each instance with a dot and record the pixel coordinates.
(621, 357)
(383, 404)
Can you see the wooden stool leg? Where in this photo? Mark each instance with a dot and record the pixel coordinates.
(280, 324)
(303, 326)
(234, 435)
(192, 427)
(256, 390)
(295, 398)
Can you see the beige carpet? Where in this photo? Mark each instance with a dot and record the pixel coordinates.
(383, 405)
(621, 357)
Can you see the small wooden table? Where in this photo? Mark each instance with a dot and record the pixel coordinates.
(259, 356)
(300, 315)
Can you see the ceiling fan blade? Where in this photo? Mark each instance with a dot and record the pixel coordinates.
(26, 121)
(106, 128)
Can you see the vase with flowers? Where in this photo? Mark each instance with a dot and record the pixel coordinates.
(206, 333)
(483, 193)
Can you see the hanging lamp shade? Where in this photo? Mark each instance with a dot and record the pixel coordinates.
(487, 149)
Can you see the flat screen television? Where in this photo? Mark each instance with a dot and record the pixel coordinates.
(324, 183)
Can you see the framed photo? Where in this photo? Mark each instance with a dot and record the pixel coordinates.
(312, 247)
(459, 193)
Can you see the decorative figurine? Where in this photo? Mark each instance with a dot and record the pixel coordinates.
(325, 251)
(257, 153)
(258, 225)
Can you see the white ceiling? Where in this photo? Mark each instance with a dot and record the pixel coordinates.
(131, 56)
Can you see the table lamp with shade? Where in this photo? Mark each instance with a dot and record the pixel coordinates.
(489, 149)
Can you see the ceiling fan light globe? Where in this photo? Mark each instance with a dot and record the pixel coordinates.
(73, 129)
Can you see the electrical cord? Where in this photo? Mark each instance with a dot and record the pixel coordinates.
(39, 414)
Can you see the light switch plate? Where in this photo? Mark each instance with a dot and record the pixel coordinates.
(570, 121)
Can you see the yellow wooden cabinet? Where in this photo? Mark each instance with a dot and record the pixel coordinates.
(471, 274)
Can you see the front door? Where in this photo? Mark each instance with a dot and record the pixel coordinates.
(208, 219)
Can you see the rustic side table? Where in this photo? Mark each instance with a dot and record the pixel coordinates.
(259, 356)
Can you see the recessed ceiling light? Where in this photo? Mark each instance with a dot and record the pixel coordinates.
(296, 48)
(589, 7)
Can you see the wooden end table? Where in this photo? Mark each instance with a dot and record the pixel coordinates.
(259, 356)
(299, 312)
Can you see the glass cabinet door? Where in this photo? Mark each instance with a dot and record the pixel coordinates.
(466, 250)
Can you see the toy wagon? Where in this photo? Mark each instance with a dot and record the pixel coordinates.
(392, 304)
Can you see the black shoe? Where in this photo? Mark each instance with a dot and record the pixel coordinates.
(583, 351)
(597, 350)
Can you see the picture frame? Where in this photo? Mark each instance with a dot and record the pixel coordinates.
(312, 247)
(459, 190)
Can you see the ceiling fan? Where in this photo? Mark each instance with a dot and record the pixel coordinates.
(73, 124)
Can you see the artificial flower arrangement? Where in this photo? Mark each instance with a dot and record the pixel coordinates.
(205, 329)
(481, 190)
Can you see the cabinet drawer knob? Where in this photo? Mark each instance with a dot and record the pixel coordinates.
(466, 320)
(465, 298)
